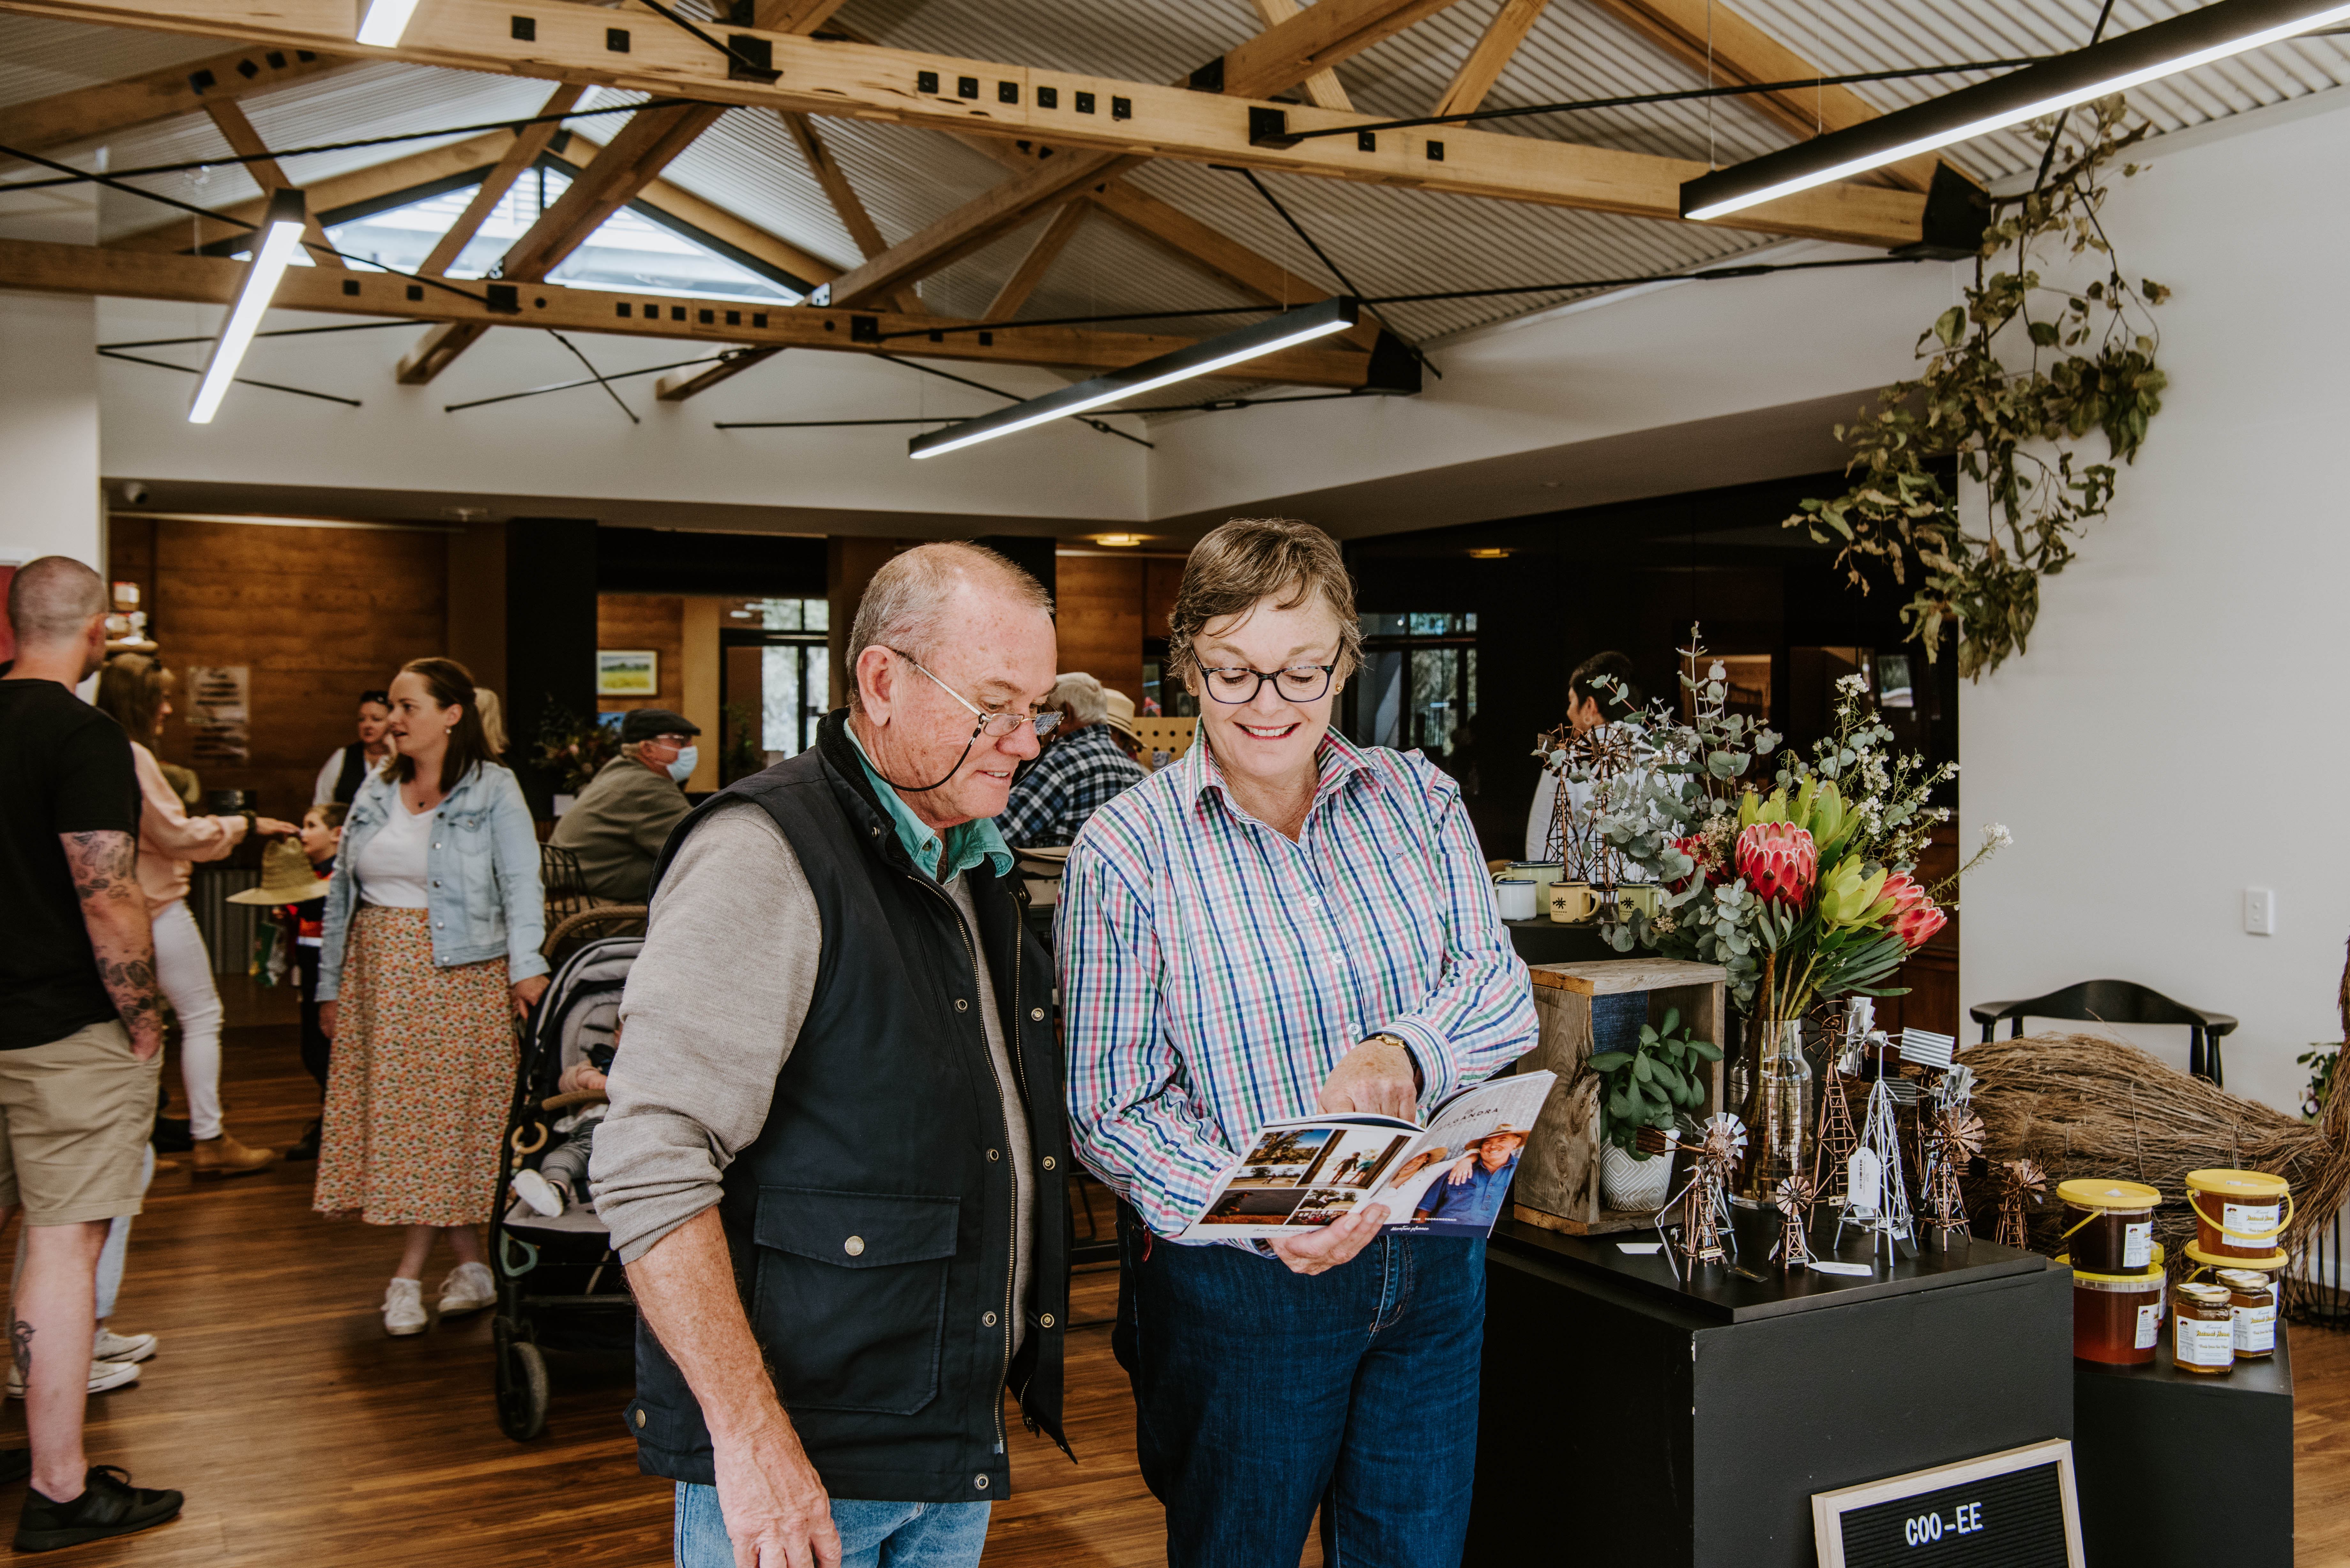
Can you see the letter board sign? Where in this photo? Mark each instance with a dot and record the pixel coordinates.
(2016, 1509)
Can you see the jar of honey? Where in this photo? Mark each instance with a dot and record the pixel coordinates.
(2108, 1225)
(2240, 1213)
(2116, 1318)
(2254, 1299)
(2203, 1330)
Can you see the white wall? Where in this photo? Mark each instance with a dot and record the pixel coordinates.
(48, 395)
(577, 443)
(2176, 732)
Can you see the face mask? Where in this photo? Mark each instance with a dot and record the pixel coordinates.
(682, 768)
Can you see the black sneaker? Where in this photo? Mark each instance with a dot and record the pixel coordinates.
(307, 1146)
(172, 1136)
(108, 1505)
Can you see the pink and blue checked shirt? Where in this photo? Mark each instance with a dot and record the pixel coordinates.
(1213, 972)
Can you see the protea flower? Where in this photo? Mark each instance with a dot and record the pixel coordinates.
(1700, 850)
(1779, 862)
(1915, 915)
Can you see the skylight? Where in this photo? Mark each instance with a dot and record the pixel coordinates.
(629, 250)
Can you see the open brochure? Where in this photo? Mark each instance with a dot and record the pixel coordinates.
(1448, 1178)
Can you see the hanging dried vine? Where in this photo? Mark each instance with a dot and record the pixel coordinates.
(2009, 429)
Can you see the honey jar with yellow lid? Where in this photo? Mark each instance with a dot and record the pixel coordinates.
(2117, 1318)
(2239, 1217)
(2203, 1328)
(2108, 1225)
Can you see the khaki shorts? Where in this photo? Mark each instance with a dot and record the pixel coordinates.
(74, 1117)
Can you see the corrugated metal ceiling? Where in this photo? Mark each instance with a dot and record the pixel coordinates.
(1388, 241)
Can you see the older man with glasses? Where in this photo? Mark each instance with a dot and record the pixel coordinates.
(835, 1155)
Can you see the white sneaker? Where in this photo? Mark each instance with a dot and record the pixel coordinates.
(540, 1193)
(403, 1307)
(109, 1345)
(468, 1287)
(103, 1375)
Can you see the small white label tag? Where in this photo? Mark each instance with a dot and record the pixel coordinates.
(2149, 1320)
(2252, 1224)
(2201, 1342)
(1640, 1249)
(2255, 1329)
(2137, 1245)
(1830, 1266)
(1864, 1180)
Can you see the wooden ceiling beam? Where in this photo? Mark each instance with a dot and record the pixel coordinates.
(1046, 250)
(825, 77)
(136, 274)
(1323, 89)
(1491, 57)
(246, 143)
(863, 231)
(107, 109)
(518, 158)
(1734, 51)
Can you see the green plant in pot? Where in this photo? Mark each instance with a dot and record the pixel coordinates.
(1654, 1086)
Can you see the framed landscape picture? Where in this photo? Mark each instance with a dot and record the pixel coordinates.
(627, 672)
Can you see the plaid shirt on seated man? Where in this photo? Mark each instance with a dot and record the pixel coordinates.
(1078, 775)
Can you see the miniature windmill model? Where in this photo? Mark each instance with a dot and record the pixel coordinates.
(1832, 1154)
(1705, 1233)
(1794, 1199)
(1606, 759)
(1957, 1136)
(1877, 1194)
(2019, 1179)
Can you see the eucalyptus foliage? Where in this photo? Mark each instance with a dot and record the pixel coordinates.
(2014, 378)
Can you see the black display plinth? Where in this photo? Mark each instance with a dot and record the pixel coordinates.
(1627, 1416)
(2178, 1467)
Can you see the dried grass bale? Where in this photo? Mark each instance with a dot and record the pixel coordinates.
(2085, 1106)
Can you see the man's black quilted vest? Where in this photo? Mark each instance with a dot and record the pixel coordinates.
(871, 1222)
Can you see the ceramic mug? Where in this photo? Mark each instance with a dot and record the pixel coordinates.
(1571, 902)
(1645, 897)
(1516, 898)
(1541, 873)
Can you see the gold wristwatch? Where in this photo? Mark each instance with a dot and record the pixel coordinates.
(1419, 1078)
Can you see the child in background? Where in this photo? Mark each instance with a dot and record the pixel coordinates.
(322, 834)
(562, 1176)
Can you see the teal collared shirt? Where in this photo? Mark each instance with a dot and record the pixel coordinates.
(965, 845)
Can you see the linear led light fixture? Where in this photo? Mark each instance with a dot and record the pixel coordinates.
(281, 230)
(2164, 49)
(384, 21)
(1204, 357)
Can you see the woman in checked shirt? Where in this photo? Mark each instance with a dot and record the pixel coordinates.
(1278, 925)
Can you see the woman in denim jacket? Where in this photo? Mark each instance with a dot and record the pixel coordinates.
(429, 943)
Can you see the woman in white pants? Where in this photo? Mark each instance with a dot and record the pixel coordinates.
(135, 691)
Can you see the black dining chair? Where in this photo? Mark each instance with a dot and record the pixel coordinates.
(2117, 1002)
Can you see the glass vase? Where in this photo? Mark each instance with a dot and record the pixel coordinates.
(1772, 1094)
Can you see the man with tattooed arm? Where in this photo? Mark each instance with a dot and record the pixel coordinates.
(80, 1034)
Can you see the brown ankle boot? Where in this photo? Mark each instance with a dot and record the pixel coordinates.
(223, 1156)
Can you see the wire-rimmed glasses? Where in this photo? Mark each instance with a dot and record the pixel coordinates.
(995, 726)
(1237, 684)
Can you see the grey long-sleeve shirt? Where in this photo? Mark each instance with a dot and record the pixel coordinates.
(714, 1007)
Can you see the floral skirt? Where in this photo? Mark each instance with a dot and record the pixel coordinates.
(422, 1078)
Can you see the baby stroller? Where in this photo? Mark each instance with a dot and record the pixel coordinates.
(560, 1284)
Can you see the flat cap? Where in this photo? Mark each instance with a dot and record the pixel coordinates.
(644, 723)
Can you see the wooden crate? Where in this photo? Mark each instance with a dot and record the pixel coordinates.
(1557, 1185)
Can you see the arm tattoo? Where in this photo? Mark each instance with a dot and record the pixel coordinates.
(105, 878)
(20, 1344)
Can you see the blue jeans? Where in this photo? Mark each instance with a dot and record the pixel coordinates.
(872, 1534)
(1258, 1391)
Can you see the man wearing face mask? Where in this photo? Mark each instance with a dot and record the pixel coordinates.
(620, 821)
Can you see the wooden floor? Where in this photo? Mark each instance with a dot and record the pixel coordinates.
(303, 1435)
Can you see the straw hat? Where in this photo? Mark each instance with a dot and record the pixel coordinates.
(286, 877)
(1119, 713)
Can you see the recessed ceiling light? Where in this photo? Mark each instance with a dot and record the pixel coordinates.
(1119, 540)
(1490, 553)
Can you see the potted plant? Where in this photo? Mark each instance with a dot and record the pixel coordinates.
(1651, 1087)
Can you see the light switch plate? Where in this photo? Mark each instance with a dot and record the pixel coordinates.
(2259, 912)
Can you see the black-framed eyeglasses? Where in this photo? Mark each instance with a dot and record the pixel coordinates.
(995, 726)
(1238, 684)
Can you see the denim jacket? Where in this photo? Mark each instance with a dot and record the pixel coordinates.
(481, 870)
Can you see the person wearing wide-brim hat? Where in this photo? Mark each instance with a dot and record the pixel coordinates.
(1084, 770)
(1472, 1192)
(620, 821)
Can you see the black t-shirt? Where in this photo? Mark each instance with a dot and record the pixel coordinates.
(65, 767)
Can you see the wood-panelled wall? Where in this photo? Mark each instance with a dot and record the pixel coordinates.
(317, 615)
(645, 621)
(1108, 605)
